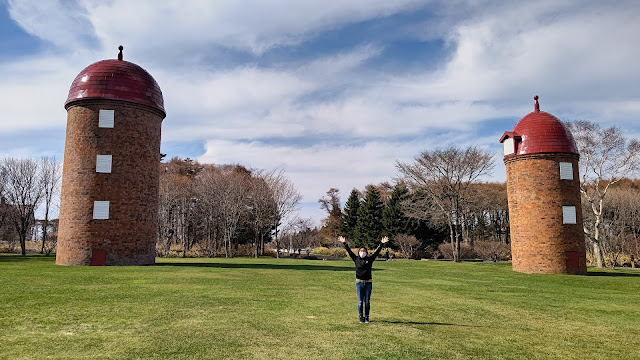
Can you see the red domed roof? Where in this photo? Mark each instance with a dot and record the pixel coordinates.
(116, 80)
(541, 132)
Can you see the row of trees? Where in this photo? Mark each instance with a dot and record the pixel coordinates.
(219, 208)
(26, 184)
(407, 216)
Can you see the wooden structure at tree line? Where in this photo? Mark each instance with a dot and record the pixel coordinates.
(110, 181)
(543, 189)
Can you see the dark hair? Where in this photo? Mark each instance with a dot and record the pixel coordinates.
(365, 249)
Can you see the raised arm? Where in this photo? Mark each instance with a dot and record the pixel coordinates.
(346, 247)
(379, 248)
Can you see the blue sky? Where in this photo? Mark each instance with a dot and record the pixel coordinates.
(334, 91)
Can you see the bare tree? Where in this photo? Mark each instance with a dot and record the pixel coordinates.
(3, 204)
(606, 156)
(301, 233)
(178, 204)
(50, 176)
(286, 198)
(167, 211)
(219, 208)
(620, 223)
(445, 176)
(231, 186)
(208, 196)
(262, 207)
(23, 192)
(408, 245)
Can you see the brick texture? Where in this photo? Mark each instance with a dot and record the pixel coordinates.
(129, 235)
(541, 243)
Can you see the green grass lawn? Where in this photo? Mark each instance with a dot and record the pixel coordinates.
(302, 309)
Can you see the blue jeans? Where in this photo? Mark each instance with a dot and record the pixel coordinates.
(364, 296)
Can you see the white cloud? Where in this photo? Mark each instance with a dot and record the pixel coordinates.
(62, 23)
(33, 93)
(565, 52)
(255, 26)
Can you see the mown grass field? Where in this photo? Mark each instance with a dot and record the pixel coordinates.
(301, 309)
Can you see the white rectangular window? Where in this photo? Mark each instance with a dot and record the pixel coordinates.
(103, 164)
(101, 210)
(568, 214)
(566, 171)
(105, 118)
(508, 147)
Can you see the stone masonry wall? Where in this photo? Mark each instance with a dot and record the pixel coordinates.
(541, 243)
(129, 235)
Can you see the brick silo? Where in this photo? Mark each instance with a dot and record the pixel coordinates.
(543, 188)
(110, 180)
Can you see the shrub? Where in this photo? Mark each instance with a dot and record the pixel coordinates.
(338, 252)
(408, 245)
(466, 251)
(321, 250)
(492, 250)
(396, 254)
(333, 252)
(270, 253)
(244, 250)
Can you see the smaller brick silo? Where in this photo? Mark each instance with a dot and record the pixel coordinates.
(110, 177)
(543, 189)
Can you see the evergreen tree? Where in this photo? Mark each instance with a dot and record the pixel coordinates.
(394, 221)
(350, 215)
(369, 225)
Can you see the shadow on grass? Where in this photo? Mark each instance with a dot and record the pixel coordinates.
(423, 323)
(7, 257)
(260, 266)
(612, 274)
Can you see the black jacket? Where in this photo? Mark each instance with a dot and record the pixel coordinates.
(363, 265)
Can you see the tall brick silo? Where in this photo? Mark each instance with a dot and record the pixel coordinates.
(543, 188)
(110, 180)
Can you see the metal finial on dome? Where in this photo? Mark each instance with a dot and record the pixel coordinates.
(120, 53)
(537, 104)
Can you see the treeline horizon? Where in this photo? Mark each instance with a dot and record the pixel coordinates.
(230, 210)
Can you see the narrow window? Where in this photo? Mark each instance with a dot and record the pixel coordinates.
(105, 118)
(103, 164)
(566, 171)
(508, 147)
(569, 215)
(100, 210)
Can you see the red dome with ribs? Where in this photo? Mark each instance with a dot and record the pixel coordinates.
(116, 80)
(541, 132)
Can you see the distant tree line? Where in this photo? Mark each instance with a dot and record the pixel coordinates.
(25, 185)
(440, 196)
(221, 209)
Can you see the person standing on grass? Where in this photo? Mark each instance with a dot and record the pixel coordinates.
(364, 283)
